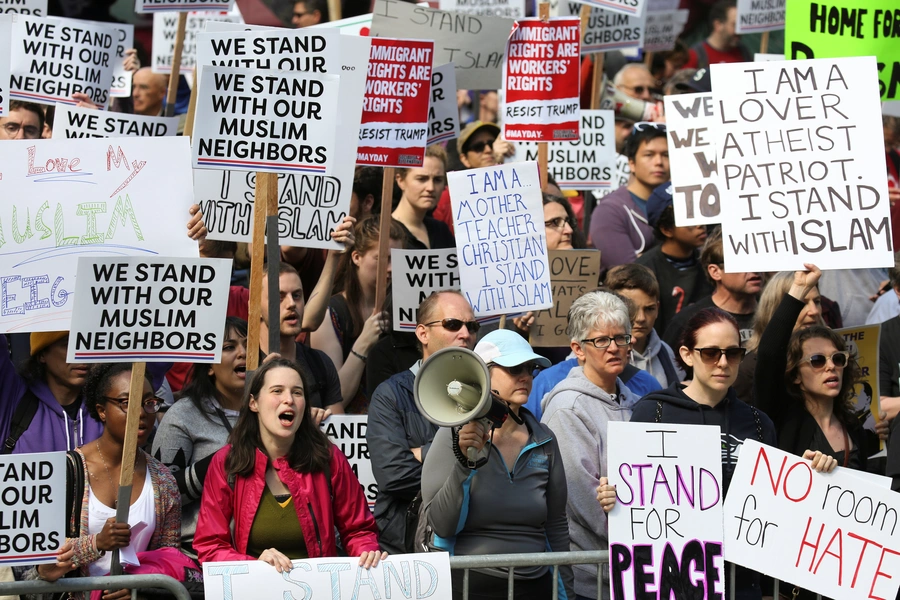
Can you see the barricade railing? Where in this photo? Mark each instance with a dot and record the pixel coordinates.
(86, 584)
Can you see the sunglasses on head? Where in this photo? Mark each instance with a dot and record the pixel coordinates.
(529, 368)
(480, 146)
(838, 359)
(456, 325)
(641, 126)
(714, 355)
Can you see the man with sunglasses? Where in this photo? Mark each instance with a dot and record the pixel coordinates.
(398, 435)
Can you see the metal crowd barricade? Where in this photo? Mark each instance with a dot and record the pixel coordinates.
(84, 584)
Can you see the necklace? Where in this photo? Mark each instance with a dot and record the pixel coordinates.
(108, 474)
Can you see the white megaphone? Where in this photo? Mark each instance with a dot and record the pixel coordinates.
(626, 107)
(453, 387)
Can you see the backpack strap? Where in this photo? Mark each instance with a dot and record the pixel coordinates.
(74, 493)
(702, 56)
(21, 420)
(668, 368)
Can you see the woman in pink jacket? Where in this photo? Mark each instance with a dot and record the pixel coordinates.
(282, 483)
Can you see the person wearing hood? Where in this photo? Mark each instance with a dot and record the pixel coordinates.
(578, 410)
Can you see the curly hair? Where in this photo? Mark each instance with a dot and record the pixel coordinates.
(96, 387)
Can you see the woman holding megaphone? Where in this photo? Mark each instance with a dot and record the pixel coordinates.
(514, 501)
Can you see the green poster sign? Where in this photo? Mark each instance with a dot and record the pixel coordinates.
(837, 28)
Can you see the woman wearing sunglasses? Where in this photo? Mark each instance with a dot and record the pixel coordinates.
(515, 501)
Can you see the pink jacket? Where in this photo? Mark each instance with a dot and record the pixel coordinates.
(319, 515)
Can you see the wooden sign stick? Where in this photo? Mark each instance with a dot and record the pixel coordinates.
(172, 94)
(192, 109)
(764, 43)
(258, 247)
(384, 239)
(334, 10)
(543, 150)
(267, 187)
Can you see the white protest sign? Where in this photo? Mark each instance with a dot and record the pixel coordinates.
(800, 155)
(152, 310)
(756, 16)
(165, 29)
(34, 8)
(348, 432)
(415, 274)
(475, 45)
(443, 113)
(662, 29)
(74, 122)
(662, 5)
(833, 534)
(350, 26)
(628, 7)
(52, 59)
(121, 86)
(621, 176)
(154, 6)
(606, 29)
(510, 9)
(32, 508)
(425, 575)
(668, 510)
(690, 119)
(586, 163)
(272, 121)
(119, 197)
(5, 42)
(499, 221)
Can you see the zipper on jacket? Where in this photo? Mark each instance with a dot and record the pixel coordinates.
(528, 447)
(315, 526)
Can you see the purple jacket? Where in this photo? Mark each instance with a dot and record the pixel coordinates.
(619, 231)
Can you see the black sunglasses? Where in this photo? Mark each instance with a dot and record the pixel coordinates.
(480, 146)
(838, 359)
(714, 355)
(516, 371)
(456, 325)
(560, 222)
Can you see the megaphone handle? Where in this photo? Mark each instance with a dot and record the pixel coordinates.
(472, 455)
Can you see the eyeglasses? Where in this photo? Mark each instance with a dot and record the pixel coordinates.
(641, 126)
(479, 147)
(838, 359)
(516, 371)
(31, 132)
(456, 325)
(560, 223)
(637, 89)
(151, 405)
(605, 341)
(713, 355)
(300, 15)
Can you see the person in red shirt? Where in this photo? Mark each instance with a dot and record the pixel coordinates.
(723, 45)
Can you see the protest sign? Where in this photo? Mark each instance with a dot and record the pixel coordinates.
(475, 45)
(65, 197)
(415, 274)
(663, 28)
(862, 342)
(32, 508)
(832, 534)
(499, 221)
(621, 176)
(541, 80)
(5, 42)
(443, 113)
(121, 86)
(153, 6)
(510, 9)
(692, 158)
(425, 575)
(755, 16)
(348, 432)
(627, 7)
(606, 29)
(583, 164)
(838, 28)
(158, 310)
(52, 59)
(165, 29)
(359, 25)
(572, 274)
(800, 155)
(668, 511)
(661, 5)
(271, 121)
(34, 8)
(74, 122)
(394, 126)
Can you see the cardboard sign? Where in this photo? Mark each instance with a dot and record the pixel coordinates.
(52, 59)
(833, 534)
(475, 45)
(348, 432)
(272, 121)
(662, 29)
(424, 575)
(586, 163)
(395, 120)
(607, 29)
(510, 9)
(153, 6)
(156, 310)
(499, 222)
(34, 8)
(837, 28)
(800, 176)
(32, 508)
(443, 112)
(628, 7)
(74, 122)
(5, 42)
(541, 81)
(690, 121)
(67, 197)
(755, 16)
(572, 274)
(165, 29)
(415, 275)
(862, 342)
(668, 511)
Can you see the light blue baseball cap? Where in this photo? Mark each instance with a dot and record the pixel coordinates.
(507, 349)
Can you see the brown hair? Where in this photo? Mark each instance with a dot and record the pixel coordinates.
(703, 318)
(434, 151)
(633, 276)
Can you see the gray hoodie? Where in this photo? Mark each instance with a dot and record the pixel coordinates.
(649, 360)
(579, 413)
